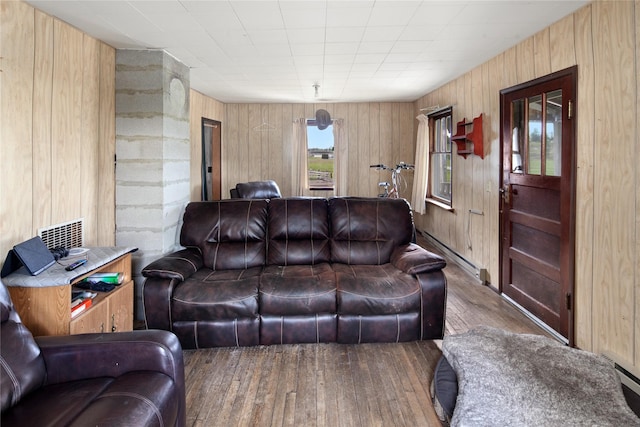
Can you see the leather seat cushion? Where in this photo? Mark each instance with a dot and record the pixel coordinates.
(137, 398)
(209, 294)
(375, 290)
(298, 290)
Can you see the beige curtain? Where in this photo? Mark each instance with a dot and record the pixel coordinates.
(421, 171)
(341, 153)
(299, 175)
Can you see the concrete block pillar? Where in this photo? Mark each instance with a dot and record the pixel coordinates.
(153, 154)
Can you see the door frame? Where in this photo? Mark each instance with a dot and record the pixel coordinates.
(567, 186)
(216, 159)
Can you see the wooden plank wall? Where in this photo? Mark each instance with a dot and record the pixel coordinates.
(58, 128)
(375, 133)
(601, 40)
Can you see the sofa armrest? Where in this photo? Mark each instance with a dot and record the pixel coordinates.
(414, 259)
(179, 265)
(83, 356)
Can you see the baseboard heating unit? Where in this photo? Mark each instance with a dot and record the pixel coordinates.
(630, 384)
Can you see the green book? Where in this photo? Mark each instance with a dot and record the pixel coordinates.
(106, 277)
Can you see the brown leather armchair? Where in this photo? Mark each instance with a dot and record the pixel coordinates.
(256, 190)
(127, 378)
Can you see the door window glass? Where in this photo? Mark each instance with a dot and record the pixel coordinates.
(536, 134)
(534, 146)
(553, 134)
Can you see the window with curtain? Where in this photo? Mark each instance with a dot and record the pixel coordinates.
(441, 166)
(321, 156)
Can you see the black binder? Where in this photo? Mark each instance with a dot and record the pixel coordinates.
(34, 255)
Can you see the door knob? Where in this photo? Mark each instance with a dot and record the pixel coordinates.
(504, 192)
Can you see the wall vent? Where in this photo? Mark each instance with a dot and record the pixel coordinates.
(67, 234)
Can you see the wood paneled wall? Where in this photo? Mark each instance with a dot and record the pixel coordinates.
(58, 128)
(601, 40)
(374, 132)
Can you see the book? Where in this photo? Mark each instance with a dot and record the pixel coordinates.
(78, 296)
(106, 277)
(82, 306)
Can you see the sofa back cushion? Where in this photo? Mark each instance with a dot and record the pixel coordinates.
(22, 368)
(298, 231)
(367, 230)
(230, 234)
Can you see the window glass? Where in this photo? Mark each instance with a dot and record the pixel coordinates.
(321, 159)
(441, 161)
(553, 134)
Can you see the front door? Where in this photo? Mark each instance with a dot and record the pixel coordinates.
(537, 206)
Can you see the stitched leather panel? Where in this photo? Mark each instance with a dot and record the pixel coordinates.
(134, 399)
(298, 329)
(298, 231)
(375, 289)
(230, 234)
(369, 329)
(218, 333)
(21, 366)
(71, 398)
(298, 290)
(211, 295)
(366, 230)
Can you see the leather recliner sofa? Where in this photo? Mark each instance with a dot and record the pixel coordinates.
(297, 270)
(125, 378)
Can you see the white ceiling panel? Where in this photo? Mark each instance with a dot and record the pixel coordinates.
(274, 51)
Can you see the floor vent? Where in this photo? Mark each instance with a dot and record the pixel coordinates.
(67, 235)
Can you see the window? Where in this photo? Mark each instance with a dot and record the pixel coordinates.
(440, 167)
(321, 158)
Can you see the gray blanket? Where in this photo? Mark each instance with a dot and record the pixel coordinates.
(507, 379)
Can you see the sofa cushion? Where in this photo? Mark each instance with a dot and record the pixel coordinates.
(375, 290)
(366, 230)
(298, 290)
(230, 234)
(209, 294)
(298, 231)
(138, 398)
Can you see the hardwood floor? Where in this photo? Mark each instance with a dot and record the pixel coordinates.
(336, 384)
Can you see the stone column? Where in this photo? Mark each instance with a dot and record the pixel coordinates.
(152, 154)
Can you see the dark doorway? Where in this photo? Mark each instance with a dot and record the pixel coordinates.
(211, 159)
(537, 214)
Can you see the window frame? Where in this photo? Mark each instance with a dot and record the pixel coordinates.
(432, 197)
(313, 122)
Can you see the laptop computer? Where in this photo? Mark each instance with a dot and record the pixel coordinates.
(34, 255)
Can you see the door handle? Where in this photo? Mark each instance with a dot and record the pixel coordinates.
(505, 193)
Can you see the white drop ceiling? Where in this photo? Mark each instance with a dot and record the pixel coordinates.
(356, 51)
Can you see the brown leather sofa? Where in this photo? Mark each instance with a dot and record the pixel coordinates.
(126, 378)
(297, 270)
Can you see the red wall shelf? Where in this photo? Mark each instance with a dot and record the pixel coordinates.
(469, 142)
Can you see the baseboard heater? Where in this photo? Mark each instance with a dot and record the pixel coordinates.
(627, 377)
(477, 272)
(630, 383)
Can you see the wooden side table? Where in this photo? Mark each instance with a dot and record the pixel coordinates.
(46, 309)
